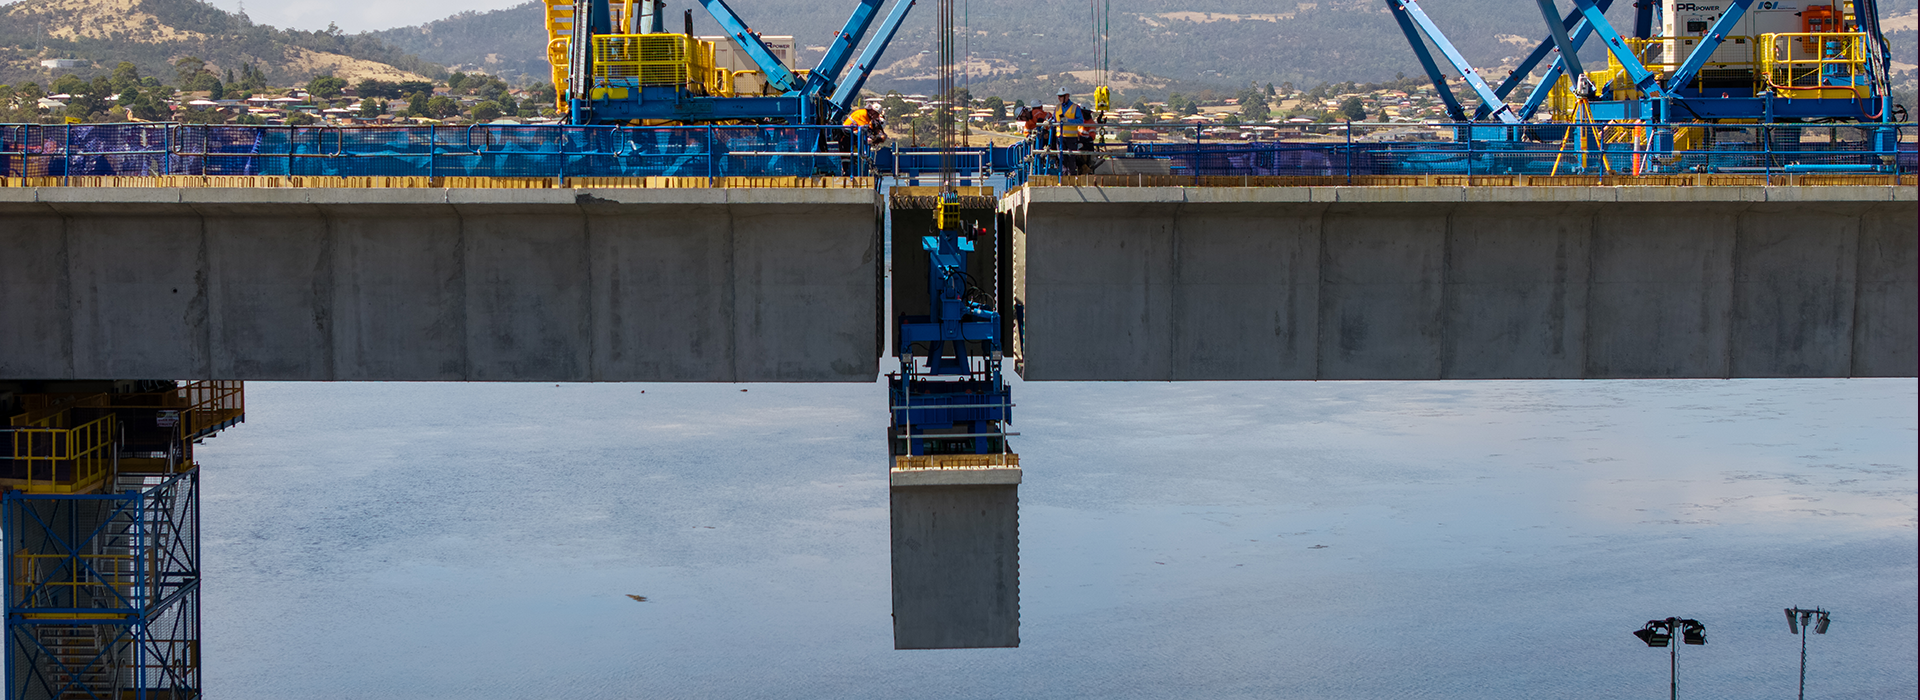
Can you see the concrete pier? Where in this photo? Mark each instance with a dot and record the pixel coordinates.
(440, 285)
(1464, 283)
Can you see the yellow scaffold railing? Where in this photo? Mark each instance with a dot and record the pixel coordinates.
(654, 60)
(1821, 65)
(210, 406)
(47, 458)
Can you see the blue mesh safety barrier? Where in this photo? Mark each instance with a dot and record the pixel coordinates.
(547, 151)
(30, 150)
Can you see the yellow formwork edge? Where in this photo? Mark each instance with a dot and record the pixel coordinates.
(935, 462)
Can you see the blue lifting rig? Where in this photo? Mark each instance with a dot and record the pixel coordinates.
(951, 411)
(623, 68)
(1701, 62)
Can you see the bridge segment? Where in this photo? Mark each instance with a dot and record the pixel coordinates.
(440, 284)
(1170, 284)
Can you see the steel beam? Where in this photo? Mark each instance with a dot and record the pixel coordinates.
(850, 88)
(777, 73)
(1714, 38)
(1533, 58)
(840, 49)
(1581, 30)
(1419, 45)
(1410, 9)
(1643, 80)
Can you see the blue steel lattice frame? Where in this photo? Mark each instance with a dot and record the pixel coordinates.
(136, 599)
(1643, 80)
(1574, 23)
(849, 89)
(1582, 29)
(1409, 11)
(776, 73)
(840, 49)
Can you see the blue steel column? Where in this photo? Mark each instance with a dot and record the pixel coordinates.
(1569, 53)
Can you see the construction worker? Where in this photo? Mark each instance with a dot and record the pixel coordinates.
(1071, 117)
(870, 118)
(865, 117)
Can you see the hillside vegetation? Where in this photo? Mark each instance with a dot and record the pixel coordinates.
(152, 34)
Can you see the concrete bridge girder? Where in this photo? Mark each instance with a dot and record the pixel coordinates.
(440, 285)
(1456, 283)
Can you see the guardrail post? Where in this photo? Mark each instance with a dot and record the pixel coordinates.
(433, 149)
(1349, 151)
(1766, 151)
(1470, 156)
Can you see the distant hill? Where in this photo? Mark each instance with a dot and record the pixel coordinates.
(1022, 47)
(153, 33)
(510, 43)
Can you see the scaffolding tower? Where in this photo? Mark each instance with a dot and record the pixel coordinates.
(101, 526)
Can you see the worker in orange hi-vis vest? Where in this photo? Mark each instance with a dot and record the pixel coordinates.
(867, 117)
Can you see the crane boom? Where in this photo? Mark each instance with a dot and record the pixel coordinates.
(849, 89)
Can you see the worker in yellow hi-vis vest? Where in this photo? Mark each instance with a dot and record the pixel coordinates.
(1072, 120)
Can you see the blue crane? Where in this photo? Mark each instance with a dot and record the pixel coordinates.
(616, 77)
(1777, 82)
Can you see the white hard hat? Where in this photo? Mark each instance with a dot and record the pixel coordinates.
(1062, 93)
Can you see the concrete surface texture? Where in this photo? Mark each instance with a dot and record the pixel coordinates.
(1458, 283)
(440, 285)
(956, 566)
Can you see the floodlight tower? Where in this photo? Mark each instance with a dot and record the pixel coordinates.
(1659, 633)
(1798, 620)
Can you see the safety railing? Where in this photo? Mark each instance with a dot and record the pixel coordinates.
(210, 406)
(654, 59)
(59, 460)
(746, 156)
(96, 577)
(1829, 65)
(1408, 153)
(1733, 60)
(34, 154)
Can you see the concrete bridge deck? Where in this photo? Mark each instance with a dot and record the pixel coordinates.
(1114, 283)
(1465, 283)
(440, 285)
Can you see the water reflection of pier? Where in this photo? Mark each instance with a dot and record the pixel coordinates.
(956, 557)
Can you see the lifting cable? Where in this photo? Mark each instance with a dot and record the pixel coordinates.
(1101, 14)
(949, 177)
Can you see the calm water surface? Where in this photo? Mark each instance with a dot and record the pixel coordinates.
(1310, 540)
